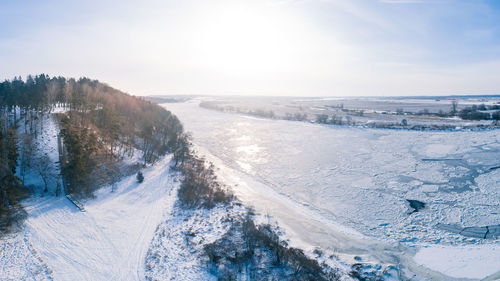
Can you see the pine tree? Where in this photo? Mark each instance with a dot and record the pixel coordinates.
(4, 169)
(11, 146)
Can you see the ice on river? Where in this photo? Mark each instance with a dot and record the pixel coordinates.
(358, 177)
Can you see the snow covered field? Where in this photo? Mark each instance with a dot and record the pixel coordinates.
(20, 261)
(108, 241)
(325, 184)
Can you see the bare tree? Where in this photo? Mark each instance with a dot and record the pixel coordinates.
(454, 106)
(43, 168)
(58, 186)
(26, 154)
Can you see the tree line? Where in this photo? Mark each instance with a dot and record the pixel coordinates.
(481, 112)
(97, 123)
(8, 164)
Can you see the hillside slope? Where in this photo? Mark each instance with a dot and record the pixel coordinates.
(110, 239)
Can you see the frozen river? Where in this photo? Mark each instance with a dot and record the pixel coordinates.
(356, 182)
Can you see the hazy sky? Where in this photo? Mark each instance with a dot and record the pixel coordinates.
(261, 47)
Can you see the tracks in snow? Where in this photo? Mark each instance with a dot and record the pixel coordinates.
(110, 240)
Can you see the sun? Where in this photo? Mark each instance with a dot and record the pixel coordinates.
(244, 38)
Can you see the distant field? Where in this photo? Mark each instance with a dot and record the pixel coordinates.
(384, 112)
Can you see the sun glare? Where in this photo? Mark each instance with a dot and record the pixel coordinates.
(244, 38)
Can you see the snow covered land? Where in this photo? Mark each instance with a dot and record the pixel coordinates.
(108, 241)
(20, 261)
(346, 190)
(46, 157)
(386, 204)
(132, 231)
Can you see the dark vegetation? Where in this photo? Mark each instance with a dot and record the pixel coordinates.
(199, 185)
(233, 109)
(140, 177)
(474, 112)
(481, 112)
(246, 249)
(11, 188)
(99, 126)
(344, 116)
(334, 119)
(163, 99)
(258, 252)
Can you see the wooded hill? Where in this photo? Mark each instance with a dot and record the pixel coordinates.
(98, 123)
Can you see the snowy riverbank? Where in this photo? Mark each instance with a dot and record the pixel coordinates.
(325, 184)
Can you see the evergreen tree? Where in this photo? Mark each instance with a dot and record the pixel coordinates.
(98, 121)
(11, 145)
(140, 177)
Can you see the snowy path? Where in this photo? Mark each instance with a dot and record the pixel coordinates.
(110, 240)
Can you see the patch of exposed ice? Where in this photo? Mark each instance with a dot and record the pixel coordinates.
(471, 261)
(438, 150)
(356, 178)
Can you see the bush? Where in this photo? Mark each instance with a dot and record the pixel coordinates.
(199, 185)
(140, 177)
(472, 113)
(258, 252)
(322, 118)
(495, 115)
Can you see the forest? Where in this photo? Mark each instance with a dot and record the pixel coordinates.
(99, 126)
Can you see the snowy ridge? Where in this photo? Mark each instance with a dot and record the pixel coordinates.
(176, 249)
(183, 244)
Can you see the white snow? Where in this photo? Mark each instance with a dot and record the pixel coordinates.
(45, 143)
(176, 256)
(470, 261)
(20, 261)
(109, 241)
(342, 191)
(438, 150)
(177, 251)
(323, 184)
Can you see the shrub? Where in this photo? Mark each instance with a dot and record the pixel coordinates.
(322, 118)
(140, 177)
(199, 185)
(472, 113)
(258, 252)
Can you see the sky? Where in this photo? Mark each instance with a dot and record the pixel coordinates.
(259, 47)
